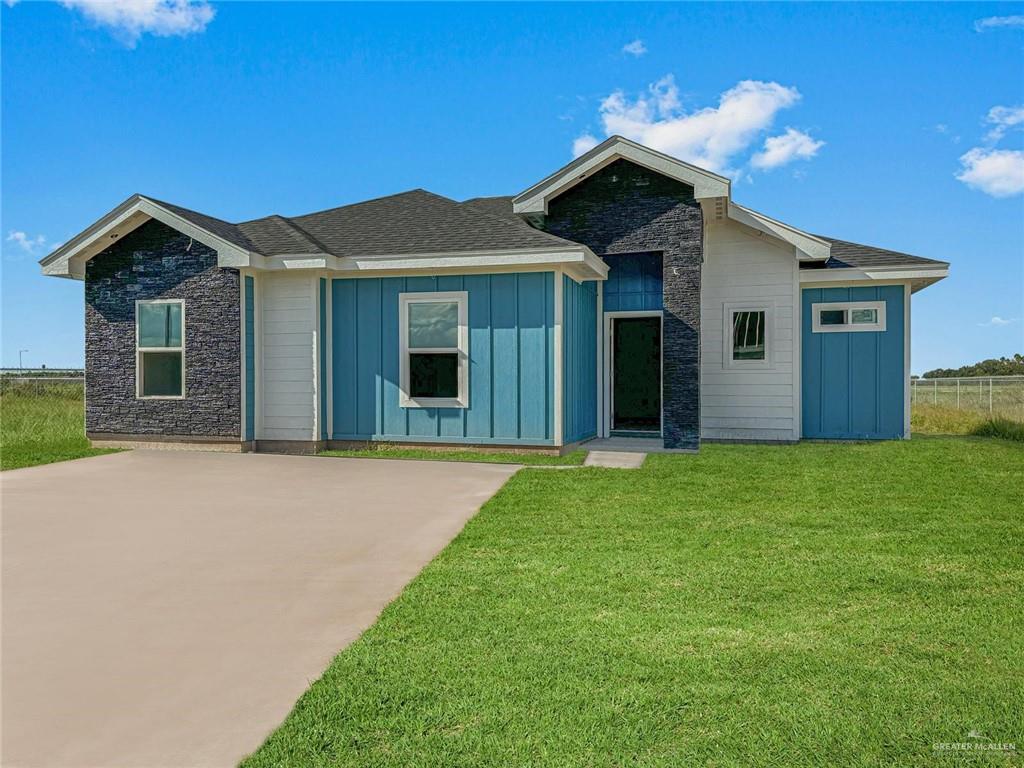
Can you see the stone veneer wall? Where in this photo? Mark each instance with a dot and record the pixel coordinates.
(157, 262)
(624, 208)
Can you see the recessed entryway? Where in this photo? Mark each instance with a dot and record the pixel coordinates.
(633, 371)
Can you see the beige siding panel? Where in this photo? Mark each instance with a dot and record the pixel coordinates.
(750, 434)
(747, 404)
(289, 386)
(288, 319)
(751, 423)
(761, 401)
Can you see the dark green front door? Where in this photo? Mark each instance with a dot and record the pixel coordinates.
(636, 374)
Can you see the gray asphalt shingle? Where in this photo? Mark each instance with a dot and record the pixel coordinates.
(845, 254)
(222, 229)
(419, 221)
(407, 223)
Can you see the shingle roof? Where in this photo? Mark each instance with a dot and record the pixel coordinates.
(409, 222)
(222, 229)
(276, 235)
(496, 206)
(845, 254)
(419, 222)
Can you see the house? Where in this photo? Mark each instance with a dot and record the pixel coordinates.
(626, 293)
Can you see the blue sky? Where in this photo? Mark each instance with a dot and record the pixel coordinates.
(853, 121)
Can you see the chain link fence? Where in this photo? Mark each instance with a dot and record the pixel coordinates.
(990, 395)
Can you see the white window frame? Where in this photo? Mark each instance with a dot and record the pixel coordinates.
(847, 307)
(405, 300)
(139, 351)
(728, 310)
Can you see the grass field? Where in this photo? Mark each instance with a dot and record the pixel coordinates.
(42, 422)
(928, 419)
(803, 605)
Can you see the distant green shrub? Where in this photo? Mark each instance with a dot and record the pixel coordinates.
(941, 420)
(1000, 427)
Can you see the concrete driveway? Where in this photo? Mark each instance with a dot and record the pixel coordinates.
(167, 608)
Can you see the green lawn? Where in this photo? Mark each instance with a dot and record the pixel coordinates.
(392, 451)
(750, 606)
(41, 423)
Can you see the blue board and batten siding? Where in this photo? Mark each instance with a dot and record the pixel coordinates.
(853, 384)
(634, 282)
(250, 359)
(579, 355)
(511, 358)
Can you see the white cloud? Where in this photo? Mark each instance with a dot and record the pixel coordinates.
(997, 321)
(583, 144)
(996, 172)
(27, 243)
(1004, 118)
(994, 22)
(636, 48)
(711, 137)
(785, 148)
(130, 19)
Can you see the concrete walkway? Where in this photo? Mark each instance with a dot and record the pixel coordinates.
(168, 608)
(615, 459)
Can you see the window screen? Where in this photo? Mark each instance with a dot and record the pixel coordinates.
(748, 335)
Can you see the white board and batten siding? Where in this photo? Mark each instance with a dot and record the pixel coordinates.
(288, 322)
(741, 268)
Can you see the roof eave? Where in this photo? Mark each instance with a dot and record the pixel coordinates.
(919, 276)
(808, 247)
(580, 262)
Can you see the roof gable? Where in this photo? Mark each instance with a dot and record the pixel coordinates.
(233, 249)
(535, 199)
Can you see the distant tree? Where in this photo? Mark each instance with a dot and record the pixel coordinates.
(1001, 366)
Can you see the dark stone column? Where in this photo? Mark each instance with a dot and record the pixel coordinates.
(681, 342)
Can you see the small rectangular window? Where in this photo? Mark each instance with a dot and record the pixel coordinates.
(747, 337)
(160, 348)
(434, 362)
(848, 316)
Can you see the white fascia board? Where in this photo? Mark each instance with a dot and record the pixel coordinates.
(303, 261)
(580, 262)
(705, 183)
(69, 260)
(808, 247)
(848, 275)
